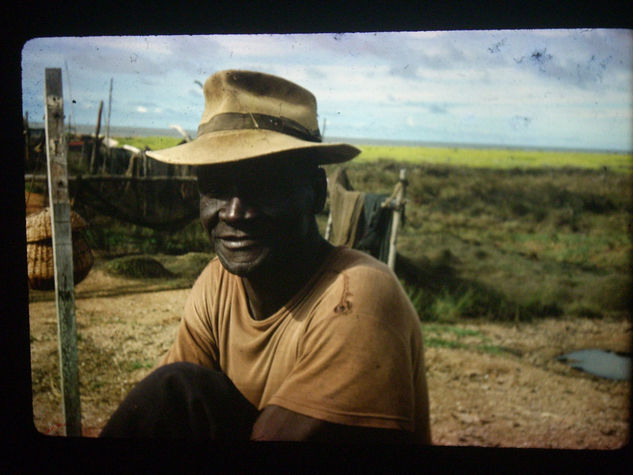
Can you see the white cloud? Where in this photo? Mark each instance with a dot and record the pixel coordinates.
(466, 81)
(260, 46)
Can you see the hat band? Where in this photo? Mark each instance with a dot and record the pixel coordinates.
(237, 120)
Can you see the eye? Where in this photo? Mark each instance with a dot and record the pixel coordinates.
(269, 191)
(214, 189)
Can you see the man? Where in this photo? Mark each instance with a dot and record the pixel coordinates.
(284, 337)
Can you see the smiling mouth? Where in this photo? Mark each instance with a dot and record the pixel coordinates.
(239, 242)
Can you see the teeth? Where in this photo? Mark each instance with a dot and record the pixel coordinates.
(239, 243)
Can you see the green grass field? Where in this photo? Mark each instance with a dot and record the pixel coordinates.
(154, 143)
(496, 158)
(461, 157)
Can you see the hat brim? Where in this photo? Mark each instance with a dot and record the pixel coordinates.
(233, 145)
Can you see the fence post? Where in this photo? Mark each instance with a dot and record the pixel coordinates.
(108, 157)
(395, 223)
(56, 153)
(27, 139)
(95, 147)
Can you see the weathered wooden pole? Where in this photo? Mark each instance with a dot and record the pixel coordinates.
(27, 138)
(95, 149)
(395, 223)
(62, 250)
(328, 226)
(70, 94)
(107, 141)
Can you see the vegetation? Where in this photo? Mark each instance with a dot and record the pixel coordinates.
(153, 143)
(511, 244)
(496, 158)
(455, 157)
(497, 234)
(116, 238)
(137, 266)
(449, 336)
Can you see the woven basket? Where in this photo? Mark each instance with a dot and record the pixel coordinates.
(39, 250)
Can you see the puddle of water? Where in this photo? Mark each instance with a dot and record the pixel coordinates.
(600, 363)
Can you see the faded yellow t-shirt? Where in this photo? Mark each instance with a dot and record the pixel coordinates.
(347, 348)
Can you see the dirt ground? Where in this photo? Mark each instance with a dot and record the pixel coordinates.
(519, 397)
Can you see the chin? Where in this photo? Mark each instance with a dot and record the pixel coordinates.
(244, 268)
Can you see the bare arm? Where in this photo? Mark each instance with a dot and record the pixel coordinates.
(277, 423)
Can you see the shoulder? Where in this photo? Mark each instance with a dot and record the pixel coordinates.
(361, 273)
(344, 258)
(360, 284)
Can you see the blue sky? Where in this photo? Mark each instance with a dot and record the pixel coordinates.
(544, 88)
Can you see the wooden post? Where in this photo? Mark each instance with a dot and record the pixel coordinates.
(62, 250)
(27, 138)
(395, 223)
(70, 94)
(328, 226)
(95, 148)
(108, 153)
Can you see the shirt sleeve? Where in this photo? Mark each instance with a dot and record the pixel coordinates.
(353, 369)
(195, 340)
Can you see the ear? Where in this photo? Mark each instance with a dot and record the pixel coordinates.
(319, 184)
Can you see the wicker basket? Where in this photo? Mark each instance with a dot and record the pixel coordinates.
(39, 250)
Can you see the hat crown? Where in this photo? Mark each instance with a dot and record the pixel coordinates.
(249, 92)
(248, 115)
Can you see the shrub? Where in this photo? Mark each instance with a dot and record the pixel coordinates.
(449, 307)
(541, 309)
(190, 264)
(610, 293)
(137, 267)
(584, 311)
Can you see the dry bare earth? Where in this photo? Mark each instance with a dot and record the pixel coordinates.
(519, 398)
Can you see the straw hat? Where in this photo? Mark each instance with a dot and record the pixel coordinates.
(250, 114)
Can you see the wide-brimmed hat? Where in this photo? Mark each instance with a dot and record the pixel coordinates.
(250, 114)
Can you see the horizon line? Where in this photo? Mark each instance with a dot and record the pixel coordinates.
(169, 132)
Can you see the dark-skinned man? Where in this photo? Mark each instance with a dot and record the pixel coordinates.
(284, 336)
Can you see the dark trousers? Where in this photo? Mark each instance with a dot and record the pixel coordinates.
(183, 400)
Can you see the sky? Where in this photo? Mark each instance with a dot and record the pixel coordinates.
(535, 88)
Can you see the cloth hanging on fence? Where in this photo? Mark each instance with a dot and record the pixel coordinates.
(346, 207)
(377, 231)
(358, 220)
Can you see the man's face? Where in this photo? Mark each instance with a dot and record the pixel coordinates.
(255, 212)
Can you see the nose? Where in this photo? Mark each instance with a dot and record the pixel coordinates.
(236, 209)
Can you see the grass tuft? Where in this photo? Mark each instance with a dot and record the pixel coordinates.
(443, 335)
(140, 267)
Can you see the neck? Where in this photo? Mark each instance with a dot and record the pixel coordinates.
(269, 290)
